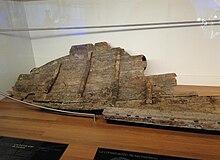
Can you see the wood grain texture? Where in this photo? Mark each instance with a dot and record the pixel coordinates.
(201, 90)
(84, 136)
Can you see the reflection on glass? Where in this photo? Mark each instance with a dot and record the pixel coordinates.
(208, 10)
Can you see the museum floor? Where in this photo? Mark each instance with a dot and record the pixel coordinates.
(84, 136)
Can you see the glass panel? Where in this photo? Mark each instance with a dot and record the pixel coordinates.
(16, 54)
(191, 52)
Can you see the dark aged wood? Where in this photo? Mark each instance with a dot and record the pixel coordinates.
(85, 76)
(54, 78)
(115, 85)
(98, 77)
(149, 97)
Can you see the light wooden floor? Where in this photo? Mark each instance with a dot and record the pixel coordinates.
(84, 136)
(201, 90)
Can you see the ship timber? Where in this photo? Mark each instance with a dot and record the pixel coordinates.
(98, 77)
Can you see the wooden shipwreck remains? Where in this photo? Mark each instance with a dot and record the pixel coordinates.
(98, 77)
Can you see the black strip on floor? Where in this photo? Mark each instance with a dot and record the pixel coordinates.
(193, 130)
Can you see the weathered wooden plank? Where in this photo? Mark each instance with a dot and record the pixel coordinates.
(97, 76)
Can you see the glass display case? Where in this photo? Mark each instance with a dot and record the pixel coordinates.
(148, 63)
(170, 36)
